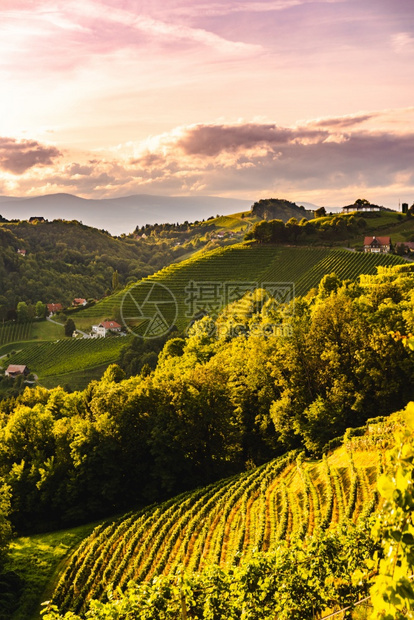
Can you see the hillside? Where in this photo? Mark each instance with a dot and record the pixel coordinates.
(288, 499)
(56, 261)
(236, 422)
(65, 260)
(61, 357)
(245, 267)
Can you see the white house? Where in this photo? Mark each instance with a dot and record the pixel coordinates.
(106, 326)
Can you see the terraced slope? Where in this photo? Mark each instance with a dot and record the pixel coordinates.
(65, 356)
(252, 265)
(286, 499)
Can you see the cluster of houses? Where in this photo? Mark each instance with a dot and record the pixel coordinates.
(106, 327)
(78, 302)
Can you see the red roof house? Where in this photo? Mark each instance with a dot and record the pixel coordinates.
(111, 326)
(408, 246)
(377, 244)
(53, 308)
(15, 370)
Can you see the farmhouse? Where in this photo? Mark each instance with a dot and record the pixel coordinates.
(377, 244)
(106, 326)
(53, 308)
(16, 371)
(407, 247)
(362, 206)
(79, 301)
(21, 252)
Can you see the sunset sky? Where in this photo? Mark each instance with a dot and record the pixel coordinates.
(311, 101)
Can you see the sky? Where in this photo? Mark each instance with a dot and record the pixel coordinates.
(299, 99)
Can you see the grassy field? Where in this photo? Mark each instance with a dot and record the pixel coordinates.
(76, 380)
(287, 499)
(37, 561)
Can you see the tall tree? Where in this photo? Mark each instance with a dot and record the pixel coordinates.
(69, 327)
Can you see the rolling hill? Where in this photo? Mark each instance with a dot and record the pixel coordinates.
(61, 357)
(288, 499)
(245, 266)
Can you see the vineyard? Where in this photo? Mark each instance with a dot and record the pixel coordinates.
(287, 499)
(65, 356)
(15, 332)
(251, 265)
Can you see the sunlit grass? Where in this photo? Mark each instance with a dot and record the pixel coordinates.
(36, 560)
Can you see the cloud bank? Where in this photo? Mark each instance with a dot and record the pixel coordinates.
(368, 153)
(18, 156)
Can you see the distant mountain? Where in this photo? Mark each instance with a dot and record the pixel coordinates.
(309, 206)
(121, 215)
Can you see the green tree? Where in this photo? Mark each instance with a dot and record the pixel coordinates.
(329, 284)
(69, 327)
(115, 280)
(40, 310)
(321, 212)
(5, 526)
(22, 312)
(392, 594)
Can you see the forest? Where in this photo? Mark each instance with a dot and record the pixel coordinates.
(65, 260)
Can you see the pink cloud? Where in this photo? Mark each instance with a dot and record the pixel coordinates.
(18, 156)
(212, 139)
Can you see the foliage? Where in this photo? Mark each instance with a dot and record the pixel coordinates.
(271, 208)
(222, 524)
(65, 260)
(5, 527)
(325, 230)
(289, 583)
(69, 327)
(234, 394)
(392, 594)
(30, 569)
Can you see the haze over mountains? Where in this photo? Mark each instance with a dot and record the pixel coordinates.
(121, 215)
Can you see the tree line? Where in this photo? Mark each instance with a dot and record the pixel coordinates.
(303, 231)
(65, 260)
